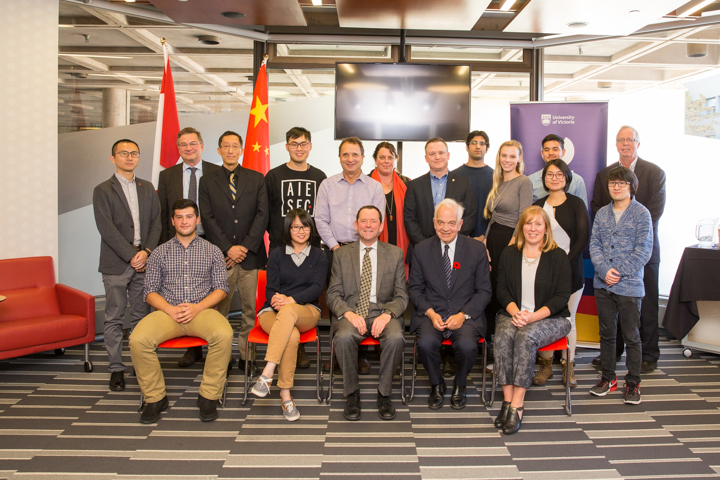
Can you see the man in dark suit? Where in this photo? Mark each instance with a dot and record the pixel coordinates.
(367, 294)
(127, 215)
(178, 182)
(234, 210)
(651, 194)
(450, 288)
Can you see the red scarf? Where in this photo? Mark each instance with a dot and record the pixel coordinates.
(399, 189)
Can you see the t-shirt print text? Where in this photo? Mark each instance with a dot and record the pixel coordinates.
(298, 194)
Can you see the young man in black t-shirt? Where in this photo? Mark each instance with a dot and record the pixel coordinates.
(289, 186)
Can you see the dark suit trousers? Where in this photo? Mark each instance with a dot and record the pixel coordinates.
(648, 317)
(464, 344)
(345, 343)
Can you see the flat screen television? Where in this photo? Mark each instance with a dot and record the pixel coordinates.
(402, 101)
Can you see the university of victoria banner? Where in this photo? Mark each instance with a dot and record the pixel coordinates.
(584, 127)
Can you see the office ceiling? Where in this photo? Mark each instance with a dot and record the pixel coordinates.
(614, 50)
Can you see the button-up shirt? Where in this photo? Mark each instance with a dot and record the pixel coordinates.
(373, 262)
(297, 258)
(186, 187)
(439, 187)
(451, 250)
(186, 275)
(130, 190)
(338, 203)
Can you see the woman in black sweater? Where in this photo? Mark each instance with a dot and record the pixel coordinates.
(570, 227)
(295, 279)
(533, 290)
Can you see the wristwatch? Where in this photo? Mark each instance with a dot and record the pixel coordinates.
(467, 317)
(389, 312)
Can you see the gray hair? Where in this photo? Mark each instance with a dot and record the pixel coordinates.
(637, 135)
(450, 203)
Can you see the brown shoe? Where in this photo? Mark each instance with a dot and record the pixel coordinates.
(193, 354)
(544, 373)
(303, 361)
(326, 366)
(363, 366)
(573, 382)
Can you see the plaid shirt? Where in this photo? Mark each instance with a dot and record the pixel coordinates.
(186, 275)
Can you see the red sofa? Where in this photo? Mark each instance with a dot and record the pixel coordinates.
(39, 314)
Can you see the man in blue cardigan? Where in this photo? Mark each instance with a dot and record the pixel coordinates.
(620, 246)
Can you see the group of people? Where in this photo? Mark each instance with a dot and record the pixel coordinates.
(467, 247)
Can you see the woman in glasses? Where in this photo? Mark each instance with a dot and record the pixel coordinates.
(295, 279)
(570, 227)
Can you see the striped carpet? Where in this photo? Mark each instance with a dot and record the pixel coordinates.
(57, 422)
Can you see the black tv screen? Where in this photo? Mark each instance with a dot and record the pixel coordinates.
(402, 101)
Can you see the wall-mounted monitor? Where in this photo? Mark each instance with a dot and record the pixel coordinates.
(402, 101)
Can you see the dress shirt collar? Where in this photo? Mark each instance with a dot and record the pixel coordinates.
(632, 165)
(451, 244)
(177, 242)
(439, 179)
(123, 180)
(187, 167)
(228, 172)
(362, 246)
(362, 178)
(290, 251)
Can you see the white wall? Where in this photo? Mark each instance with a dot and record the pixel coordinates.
(28, 182)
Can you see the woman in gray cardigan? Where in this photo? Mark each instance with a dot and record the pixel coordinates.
(534, 285)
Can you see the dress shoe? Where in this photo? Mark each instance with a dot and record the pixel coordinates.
(596, 360)
(363, 366)
(352, 410)
(326, 366)
(458, 399)
(648, 367)
(117, 381)
(303, 361)
(436, 398)
(502, 416)
(386, 411)
(513, 422)
(151, 411)
(193, 354)
(449, 368)
(208, 410)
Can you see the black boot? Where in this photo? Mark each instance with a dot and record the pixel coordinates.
(502, 416)
(513, 422)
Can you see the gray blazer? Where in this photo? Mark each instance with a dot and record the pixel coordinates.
(115, 224)
(344, 288)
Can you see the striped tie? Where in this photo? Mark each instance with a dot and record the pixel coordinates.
(233, 191)
(192, 187)
(446, 265)
(363, 305)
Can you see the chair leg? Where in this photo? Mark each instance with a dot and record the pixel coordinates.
(332, 372)
(319, 376)
(402, 379)
(484, 373)
(142, 402)
(245, 384)
(492, 389)
(568, 398)
(414, 372)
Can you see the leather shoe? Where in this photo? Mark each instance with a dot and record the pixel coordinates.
(596, 360)
(436, 398)
(648, 367)
(363, 366)
(117, 381)
(303, 361)
(502, 416)
(193, 354)
(458, 399)
(151, 411)
(386, 411)
(352, 410)
(449, 368)
(513, 422)
(208, 410)
(326, 366)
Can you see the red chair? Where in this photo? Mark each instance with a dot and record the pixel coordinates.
(258, 336)
(447, 342)
(561, 344)
(367, 341)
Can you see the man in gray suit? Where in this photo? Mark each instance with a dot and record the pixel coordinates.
(367, 294)
(127, 215)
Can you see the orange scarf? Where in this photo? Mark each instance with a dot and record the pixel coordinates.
(399, 189)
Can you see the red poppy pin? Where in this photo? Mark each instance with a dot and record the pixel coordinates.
(456, 266)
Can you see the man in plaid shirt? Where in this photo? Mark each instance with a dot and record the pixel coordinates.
(186, 277)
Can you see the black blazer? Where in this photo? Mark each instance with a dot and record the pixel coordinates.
(419, 208)
(170, 190)
(552, 281)
(241, 222)
(650, 193)
(469, 290)
(115, 223)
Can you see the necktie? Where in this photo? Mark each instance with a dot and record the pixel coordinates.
(446, 265)
(192, 187)
(365, 284)
(233, 191)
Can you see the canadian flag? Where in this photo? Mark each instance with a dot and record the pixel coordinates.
(166, 152)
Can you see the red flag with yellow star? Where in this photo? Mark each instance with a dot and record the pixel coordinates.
(257, 140)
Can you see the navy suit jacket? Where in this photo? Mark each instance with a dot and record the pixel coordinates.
(469, 290)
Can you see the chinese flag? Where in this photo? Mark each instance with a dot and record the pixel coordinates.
(166, 152)
(257, 140)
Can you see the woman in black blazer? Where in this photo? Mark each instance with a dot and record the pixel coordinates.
(533, 290)
(570, 227)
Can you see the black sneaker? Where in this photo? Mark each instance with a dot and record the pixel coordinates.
(632, 393)
(648, 367)
(604, 386)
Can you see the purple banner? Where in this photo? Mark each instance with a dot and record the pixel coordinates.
(584, 126)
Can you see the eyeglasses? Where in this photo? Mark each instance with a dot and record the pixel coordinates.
(125, 154)
(558, 175)
(230, 147)
(295, 145)
(628, 140)
(475, 143)
(618, 184)
(298, 228)
(191, 145)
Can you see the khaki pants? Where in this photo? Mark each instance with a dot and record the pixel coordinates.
(284, 328)
(245, 282)
(159, 327)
